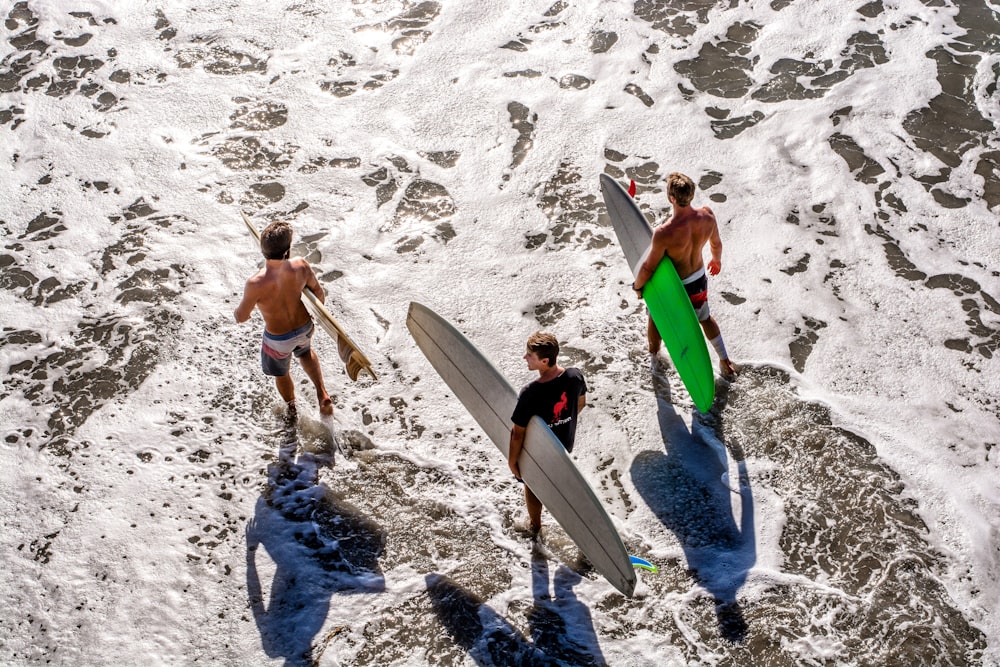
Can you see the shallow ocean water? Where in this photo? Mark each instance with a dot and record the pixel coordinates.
(160, 508)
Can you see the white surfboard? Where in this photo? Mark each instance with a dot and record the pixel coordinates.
(545, 466)
(354, 359)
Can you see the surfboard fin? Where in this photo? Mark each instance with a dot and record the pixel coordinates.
(631, 189)
(643, 563)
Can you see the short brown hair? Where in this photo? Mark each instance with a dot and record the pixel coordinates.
(276, 240)
(681, 188)
(545, 345)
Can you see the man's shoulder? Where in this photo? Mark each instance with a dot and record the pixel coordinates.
(257, 279)
(575, 375)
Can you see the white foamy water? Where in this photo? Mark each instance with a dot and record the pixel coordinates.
(159, 509)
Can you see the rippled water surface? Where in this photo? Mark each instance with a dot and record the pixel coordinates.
(838, 505)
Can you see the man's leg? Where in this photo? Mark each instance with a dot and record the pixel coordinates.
(310, 363)
(714, 335)
(285, 387)
(653, 336)
(534, 510)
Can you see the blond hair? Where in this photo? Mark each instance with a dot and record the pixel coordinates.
(545, 345)
(681, 188)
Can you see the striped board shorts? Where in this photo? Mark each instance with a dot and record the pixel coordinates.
(276, 350)
(696, 286)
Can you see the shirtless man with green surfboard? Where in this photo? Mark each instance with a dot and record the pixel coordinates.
(682, 238)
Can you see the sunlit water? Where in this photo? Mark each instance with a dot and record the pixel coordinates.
(840, 503)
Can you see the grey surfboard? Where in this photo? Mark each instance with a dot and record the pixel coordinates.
(545, 466)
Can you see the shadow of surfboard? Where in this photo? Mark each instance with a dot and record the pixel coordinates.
(682, 487)
(490, 639)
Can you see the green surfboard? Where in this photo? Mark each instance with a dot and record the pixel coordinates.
(665, 296)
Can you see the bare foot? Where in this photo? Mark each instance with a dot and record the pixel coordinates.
(728, 368)
(326, 406)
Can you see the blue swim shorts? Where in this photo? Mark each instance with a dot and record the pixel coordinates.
(276, 350)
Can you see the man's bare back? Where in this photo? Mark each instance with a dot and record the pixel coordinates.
(276, 290)
(682, 238)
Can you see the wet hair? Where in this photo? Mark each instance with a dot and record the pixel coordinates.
(681, 188)
(276, 240)
(544, 345)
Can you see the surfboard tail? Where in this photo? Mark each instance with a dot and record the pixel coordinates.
(352, 363)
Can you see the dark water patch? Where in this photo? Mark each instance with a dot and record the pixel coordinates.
(601, 41)
(520, 44)
(639, 93)
(575, 82)
(951, 123)
(523, 74)
(680, 18)
(591, 364)
(37, 66)
(642, 170)
(219, 59)
(814, 219)
(44, 227)
(12, 116)
(385, 184)
(247, 153)
(572, 210)
(709, 180)
(28, 48)
(258, 115)
(831, 278)
(446, 159)
(951, 126)
(895, 256)
(317, 163)
(851, 528)
(727, 128)
(808, 79)
(865, 169)
(723, 69)
(548, 314)
(806, 337)
(799, 267)
(262, 194)
(410, 26)
(522, 120)
(348, 80)
(424, 202)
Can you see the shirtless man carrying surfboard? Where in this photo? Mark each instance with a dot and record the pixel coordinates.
(682, 238)
(276, 291)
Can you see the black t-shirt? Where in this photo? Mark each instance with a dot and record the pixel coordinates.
(556, 402)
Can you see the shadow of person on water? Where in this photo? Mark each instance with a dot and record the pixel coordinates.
(487, 636)
(688, 488)
(316, 545)
(560, 624)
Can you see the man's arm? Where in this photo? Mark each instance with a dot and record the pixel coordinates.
(657, 250)
(312, 283)
(245, 308)
(516, 443)
(581, 403)
(715, 244)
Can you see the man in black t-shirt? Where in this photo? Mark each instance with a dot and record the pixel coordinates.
(557, 396)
